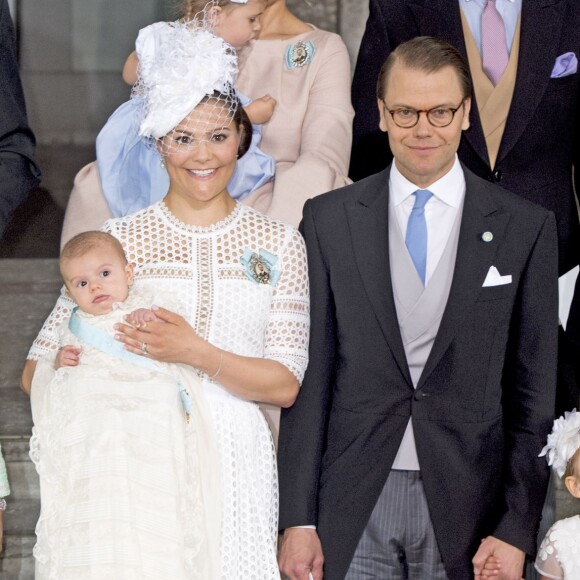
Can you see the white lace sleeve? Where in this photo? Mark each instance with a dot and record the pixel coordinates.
(547, 559)
(48, 339)
(288, 327)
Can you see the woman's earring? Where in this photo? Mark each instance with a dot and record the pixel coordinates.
(162, 163)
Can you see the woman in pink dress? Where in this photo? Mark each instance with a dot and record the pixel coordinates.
(307, 71)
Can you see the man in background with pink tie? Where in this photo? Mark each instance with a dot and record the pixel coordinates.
(525, 122)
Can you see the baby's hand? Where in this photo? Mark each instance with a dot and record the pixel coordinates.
(260, 110)
(140, 317)
(68, 356)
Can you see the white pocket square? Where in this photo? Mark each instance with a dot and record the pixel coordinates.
(494, 278)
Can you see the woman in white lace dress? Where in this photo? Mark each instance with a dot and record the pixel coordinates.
(242, 278)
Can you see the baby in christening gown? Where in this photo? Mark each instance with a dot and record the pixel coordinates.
(117, 439)
(559, 553)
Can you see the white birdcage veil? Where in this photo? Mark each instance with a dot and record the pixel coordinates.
(182, 64)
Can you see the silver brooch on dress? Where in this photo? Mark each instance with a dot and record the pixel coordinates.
(299, 54)
(259, 268)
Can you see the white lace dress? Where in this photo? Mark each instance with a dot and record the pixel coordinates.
(559, 553)
(202, 267)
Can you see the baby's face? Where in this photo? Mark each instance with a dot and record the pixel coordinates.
(97, 279)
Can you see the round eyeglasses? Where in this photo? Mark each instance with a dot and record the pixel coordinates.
(406, 117)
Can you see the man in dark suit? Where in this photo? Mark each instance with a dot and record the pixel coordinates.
(541, 142)
(430, 387)
(18, 171)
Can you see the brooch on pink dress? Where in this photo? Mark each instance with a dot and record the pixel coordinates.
(299, 54)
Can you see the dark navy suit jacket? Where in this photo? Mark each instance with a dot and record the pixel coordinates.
(18, 170)
(484, 403)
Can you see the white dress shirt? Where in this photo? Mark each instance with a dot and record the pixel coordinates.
(508, 9)
(440, 211)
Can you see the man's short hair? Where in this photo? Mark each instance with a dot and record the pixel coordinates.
(84, 242)
(427, 54)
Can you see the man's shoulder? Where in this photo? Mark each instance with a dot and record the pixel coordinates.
(334, 200)
(503, 199)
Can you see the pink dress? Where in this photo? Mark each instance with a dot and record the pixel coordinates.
(310, 133)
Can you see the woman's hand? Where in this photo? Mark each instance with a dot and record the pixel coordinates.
(171, 339)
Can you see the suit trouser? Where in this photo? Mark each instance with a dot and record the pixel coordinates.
(398, 542)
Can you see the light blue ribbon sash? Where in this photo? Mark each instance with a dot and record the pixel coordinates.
(104, 342)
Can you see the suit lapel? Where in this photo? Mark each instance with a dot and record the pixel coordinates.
(541, 26)
(474, 258)
(442, 19)
(368, 223)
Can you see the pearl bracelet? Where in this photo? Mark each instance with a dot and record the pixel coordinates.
(2, 504)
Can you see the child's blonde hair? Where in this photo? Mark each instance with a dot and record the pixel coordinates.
(195, 9)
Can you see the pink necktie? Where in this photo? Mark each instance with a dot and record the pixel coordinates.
(493, 43)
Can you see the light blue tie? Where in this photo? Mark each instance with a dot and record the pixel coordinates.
(416, 238)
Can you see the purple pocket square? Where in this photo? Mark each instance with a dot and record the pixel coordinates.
(566, 64)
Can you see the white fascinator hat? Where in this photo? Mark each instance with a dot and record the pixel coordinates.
(180, 64)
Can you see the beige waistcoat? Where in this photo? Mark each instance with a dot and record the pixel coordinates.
(493, 102)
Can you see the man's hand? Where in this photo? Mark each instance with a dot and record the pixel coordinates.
(68, 356)
(300, 554)
(510, 560)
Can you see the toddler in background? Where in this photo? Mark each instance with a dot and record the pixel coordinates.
(559, 553)
(237, 22)
(110, 441)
